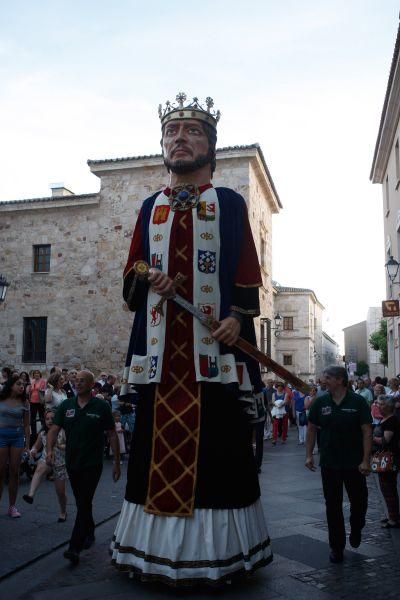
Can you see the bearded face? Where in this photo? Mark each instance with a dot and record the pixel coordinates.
(186, 146)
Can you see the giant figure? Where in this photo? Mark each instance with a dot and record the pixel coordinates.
(192, 510)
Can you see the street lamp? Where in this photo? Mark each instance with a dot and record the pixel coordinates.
(3, 287)
(392, 268)
(277, 328)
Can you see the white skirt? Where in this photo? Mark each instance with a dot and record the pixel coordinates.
(209, 547)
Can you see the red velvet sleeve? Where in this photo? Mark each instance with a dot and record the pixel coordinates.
(136, 249)
(135, 290)
(248, 272)
(248, 279)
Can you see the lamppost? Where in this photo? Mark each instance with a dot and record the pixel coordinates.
(277, 328)
(3, 287)
(392, 268)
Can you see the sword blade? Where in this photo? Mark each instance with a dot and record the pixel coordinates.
(245, 346)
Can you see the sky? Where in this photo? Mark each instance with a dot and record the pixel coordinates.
(305, 79)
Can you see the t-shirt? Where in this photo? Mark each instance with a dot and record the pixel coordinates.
(84, 430)
(298, 398)
(391, 424)
(12, 416)
(366, 394)
(341, 440)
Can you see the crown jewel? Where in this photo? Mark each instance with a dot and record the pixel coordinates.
(192, 110)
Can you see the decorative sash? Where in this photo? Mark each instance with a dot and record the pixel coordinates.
(209, 364)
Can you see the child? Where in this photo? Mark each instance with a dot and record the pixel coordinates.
(43, 469)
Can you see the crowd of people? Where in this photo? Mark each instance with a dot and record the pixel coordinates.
(287, 406)
(28, 403)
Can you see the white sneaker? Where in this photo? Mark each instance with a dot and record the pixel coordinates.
(13, 512)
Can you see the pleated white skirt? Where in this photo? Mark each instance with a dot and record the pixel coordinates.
(211, 547)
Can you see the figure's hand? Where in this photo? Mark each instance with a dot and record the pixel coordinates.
(161, 283)
(228, 331)
(116, 471)
(310, 463)
(364, 468)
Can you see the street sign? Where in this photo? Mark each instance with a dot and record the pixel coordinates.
(390, 308)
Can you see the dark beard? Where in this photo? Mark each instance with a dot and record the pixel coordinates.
(181, 167)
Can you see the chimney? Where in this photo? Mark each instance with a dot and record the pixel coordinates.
(58, 189)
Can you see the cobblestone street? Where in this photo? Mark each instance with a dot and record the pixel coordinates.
(294, 507)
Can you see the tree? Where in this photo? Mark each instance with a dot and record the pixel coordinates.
(378, 341)
(362, 368)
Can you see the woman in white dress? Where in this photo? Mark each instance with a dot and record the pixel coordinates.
(55, 394)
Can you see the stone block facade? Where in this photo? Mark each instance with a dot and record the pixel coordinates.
(88, 323)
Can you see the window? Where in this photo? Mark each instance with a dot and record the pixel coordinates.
(287, 360)
(397, 160)
(35, 333)
(288, 323)
(41, 258)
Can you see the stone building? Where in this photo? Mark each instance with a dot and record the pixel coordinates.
(386, 171)
(298, 346)
(376, 368)
(64, 256)
(330, 353)
(355, 343)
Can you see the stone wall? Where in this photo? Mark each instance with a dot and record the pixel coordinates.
(88, 322)
(304, 342)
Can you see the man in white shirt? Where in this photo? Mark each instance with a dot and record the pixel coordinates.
(364, 391)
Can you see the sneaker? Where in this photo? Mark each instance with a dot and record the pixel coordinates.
(13, 512)
(355, 539)
(27, 498)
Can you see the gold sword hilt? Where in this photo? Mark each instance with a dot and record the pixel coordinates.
(142, 270)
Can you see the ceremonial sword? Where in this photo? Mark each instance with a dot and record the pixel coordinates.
(142, 269)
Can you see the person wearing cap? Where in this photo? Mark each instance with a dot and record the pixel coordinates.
(192, 511)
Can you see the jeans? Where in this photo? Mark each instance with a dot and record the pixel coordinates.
(302, 429)
(83, 483)
(357, 491)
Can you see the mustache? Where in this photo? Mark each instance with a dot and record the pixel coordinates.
(180, 147)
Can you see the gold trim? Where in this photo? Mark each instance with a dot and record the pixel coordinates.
(243, 311)
(186, 507)
(126, 274)
(253, 285)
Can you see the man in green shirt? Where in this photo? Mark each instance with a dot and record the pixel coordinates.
(344, 421)
(84, 419)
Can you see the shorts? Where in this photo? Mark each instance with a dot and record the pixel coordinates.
(12, 437)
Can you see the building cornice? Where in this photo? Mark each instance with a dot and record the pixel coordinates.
(328, 337)
(298, 292)
(389, 119)
(252, 151)
(49, 202)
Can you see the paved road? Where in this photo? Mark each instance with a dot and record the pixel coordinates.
(293, 503)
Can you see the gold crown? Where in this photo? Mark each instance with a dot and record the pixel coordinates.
(193, 110)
